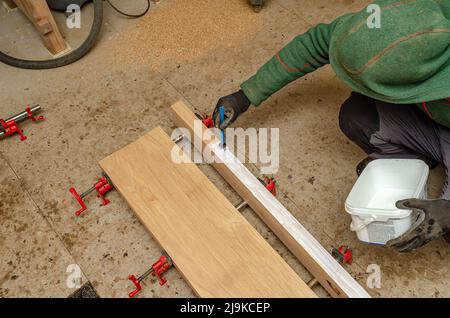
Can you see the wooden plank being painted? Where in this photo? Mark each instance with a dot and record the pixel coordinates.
(331, 275)
(39, 14)
(214, 247)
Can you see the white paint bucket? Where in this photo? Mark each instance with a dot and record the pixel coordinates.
(371, 202)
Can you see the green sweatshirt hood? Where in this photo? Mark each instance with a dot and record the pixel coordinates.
(406, 60)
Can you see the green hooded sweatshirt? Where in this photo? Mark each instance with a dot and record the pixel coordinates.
(406, 60)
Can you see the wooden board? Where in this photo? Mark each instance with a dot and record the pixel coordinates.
(39, 14)
(330, 274)
(214, 247)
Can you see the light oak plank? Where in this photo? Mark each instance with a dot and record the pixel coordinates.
(214, 247)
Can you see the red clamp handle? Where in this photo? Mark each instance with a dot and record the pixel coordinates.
(136, 283)
(80, 201)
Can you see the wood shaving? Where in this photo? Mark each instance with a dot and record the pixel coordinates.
(180, 31)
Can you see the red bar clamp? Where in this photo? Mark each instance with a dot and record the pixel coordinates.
(206, 120)
(10, 126)
(343, 255)
(103, 186)
(270, 184)
(163, 264)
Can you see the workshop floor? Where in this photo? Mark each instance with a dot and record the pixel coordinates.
(194, 50)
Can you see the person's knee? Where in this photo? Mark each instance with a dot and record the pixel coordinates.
(359, 119)
(348, 121)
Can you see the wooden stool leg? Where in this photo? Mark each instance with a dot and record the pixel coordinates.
(39, 14)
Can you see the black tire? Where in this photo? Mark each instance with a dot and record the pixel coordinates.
(66, 59)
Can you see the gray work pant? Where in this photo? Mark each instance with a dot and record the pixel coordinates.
(385, 130)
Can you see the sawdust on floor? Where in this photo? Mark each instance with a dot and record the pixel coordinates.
(179, 31)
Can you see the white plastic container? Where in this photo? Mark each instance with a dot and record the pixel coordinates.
(371, 203)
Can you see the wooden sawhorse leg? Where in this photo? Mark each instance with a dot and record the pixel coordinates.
(39, 14)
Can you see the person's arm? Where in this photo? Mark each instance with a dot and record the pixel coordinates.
(306, 53)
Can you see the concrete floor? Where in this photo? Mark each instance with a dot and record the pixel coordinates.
(113, 96)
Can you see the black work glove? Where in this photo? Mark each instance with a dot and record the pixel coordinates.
(234, 105)
(432, 222)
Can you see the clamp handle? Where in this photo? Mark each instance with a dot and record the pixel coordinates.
(136, 283)
(80, 201)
